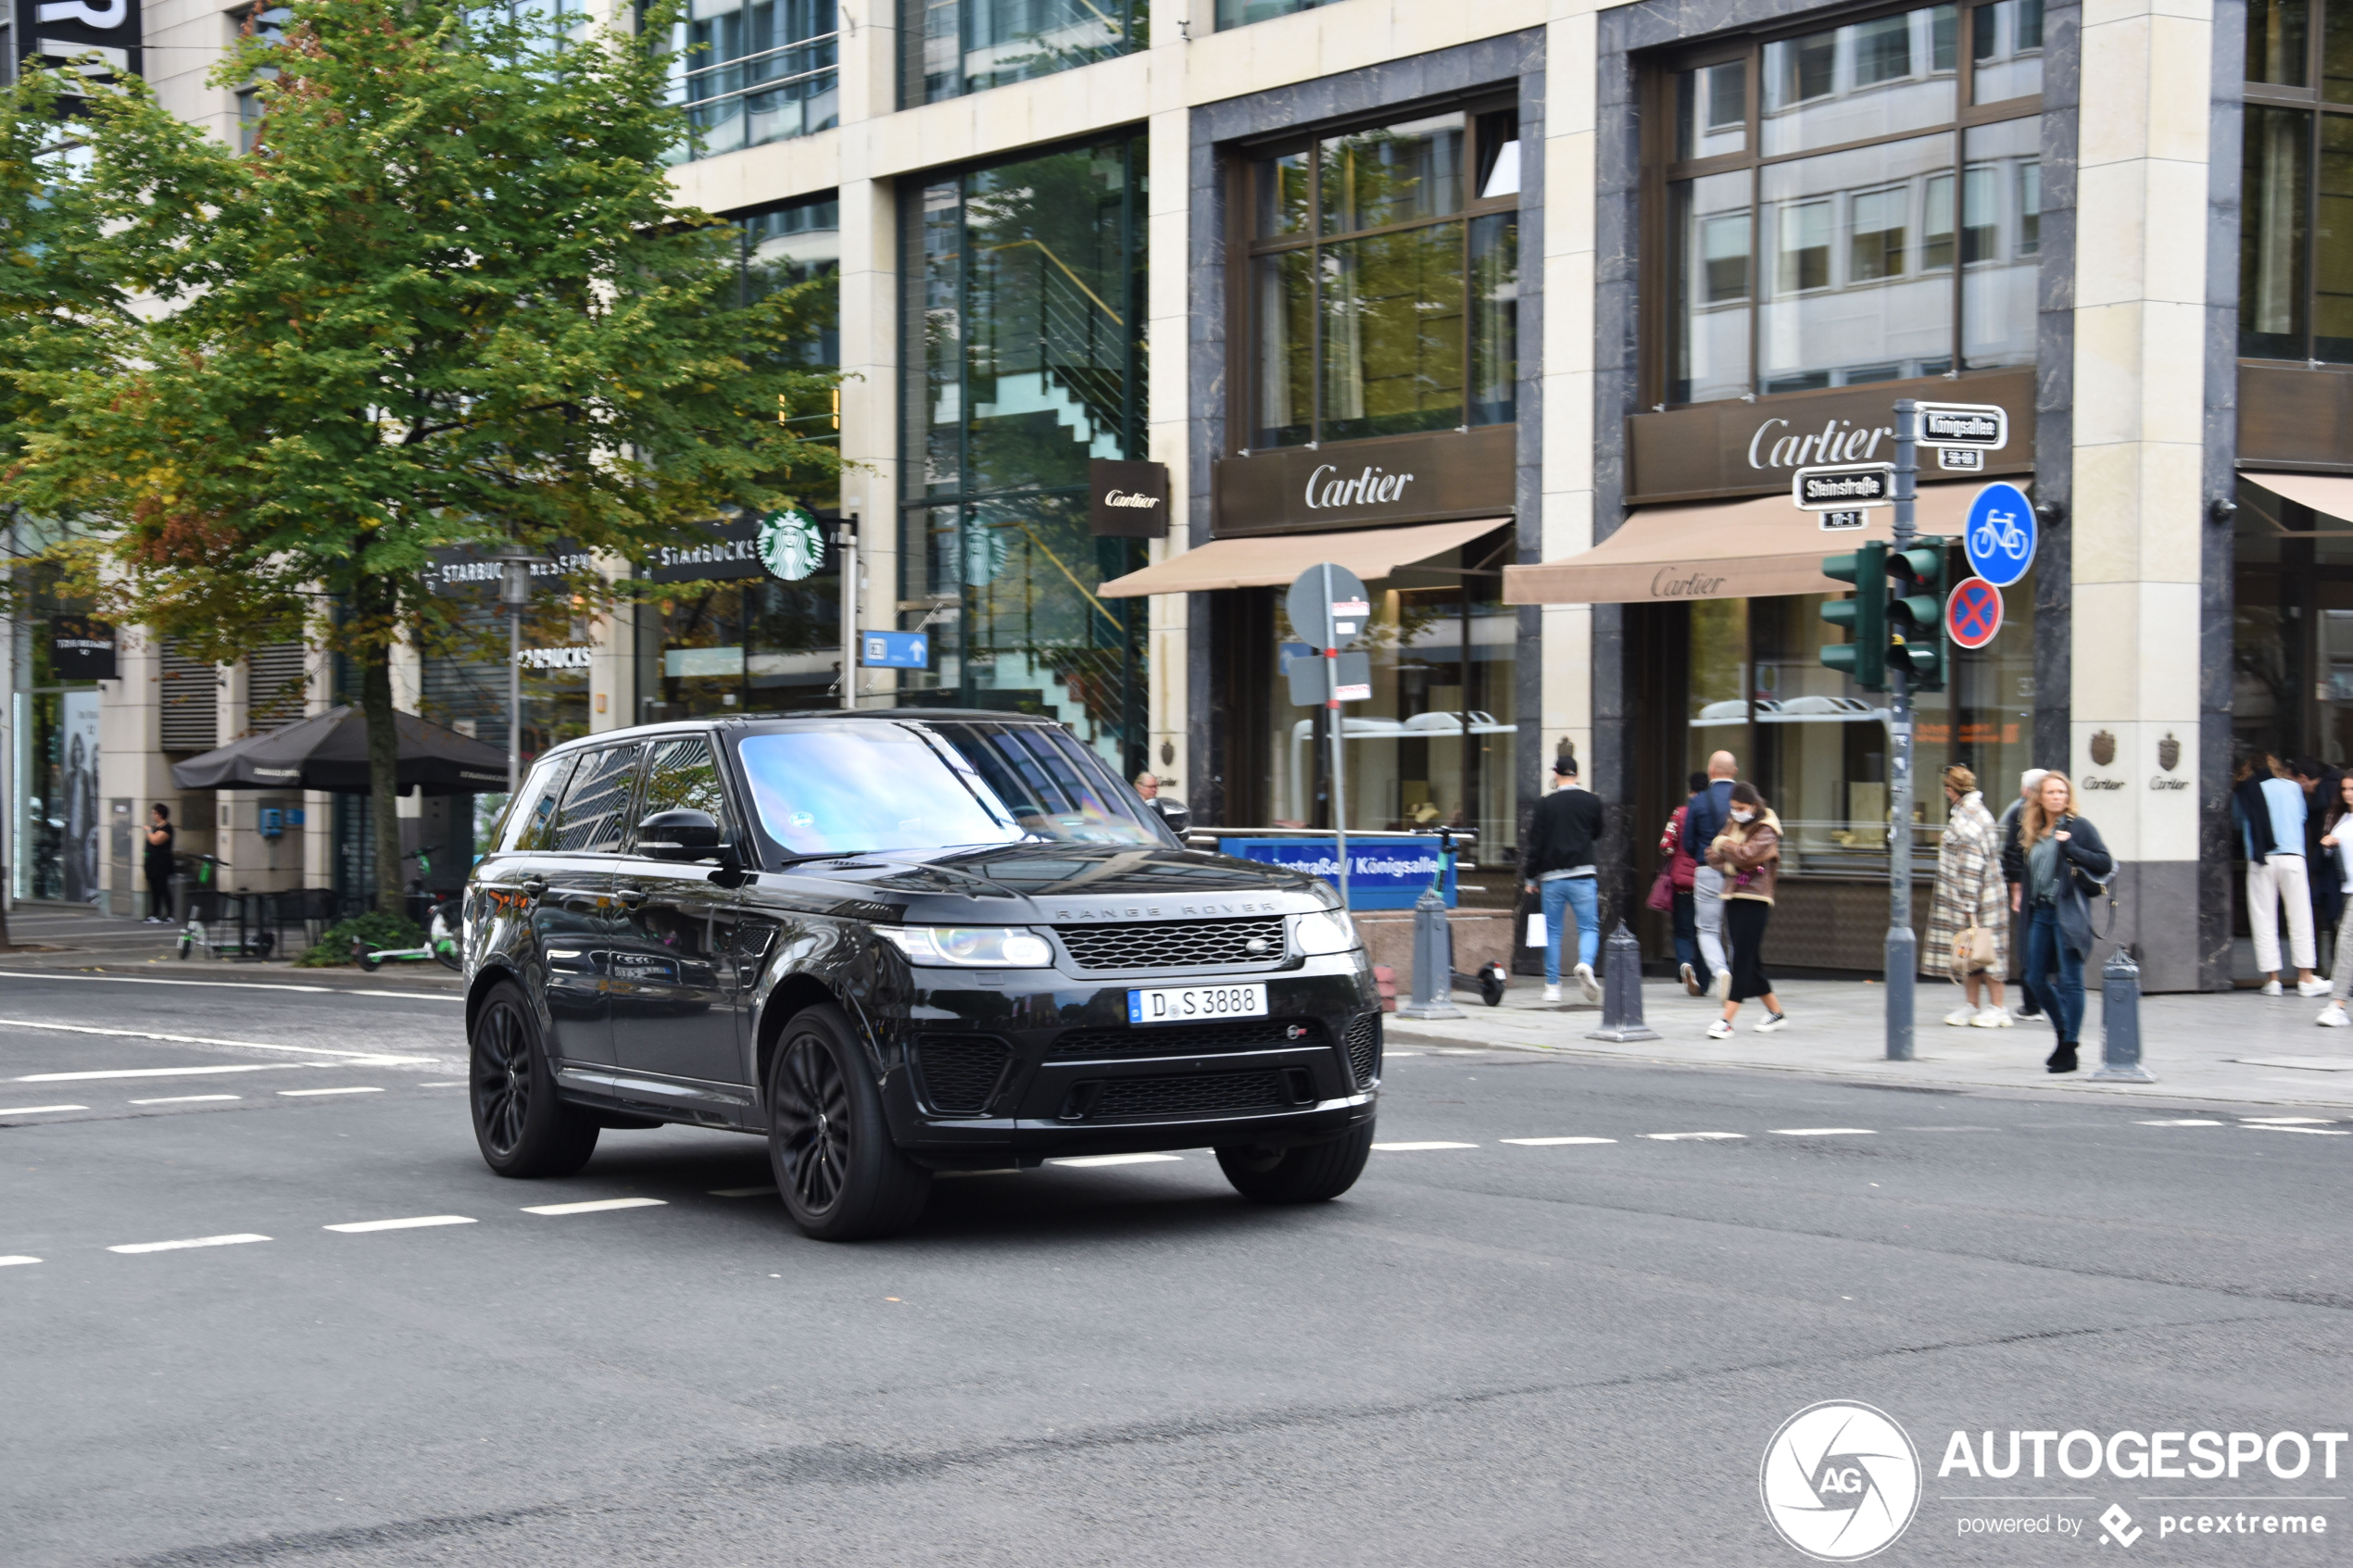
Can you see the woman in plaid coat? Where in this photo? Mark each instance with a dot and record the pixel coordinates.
(1970, 891)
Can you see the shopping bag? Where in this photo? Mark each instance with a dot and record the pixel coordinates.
(1535, 928)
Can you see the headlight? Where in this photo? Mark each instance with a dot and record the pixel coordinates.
(1325, 931)
(972, 946)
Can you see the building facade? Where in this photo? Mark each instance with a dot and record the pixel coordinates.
(1525, 310)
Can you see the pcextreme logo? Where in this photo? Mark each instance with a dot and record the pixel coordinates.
(1841, 1481)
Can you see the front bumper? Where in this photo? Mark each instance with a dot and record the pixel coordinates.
(1015, 1066)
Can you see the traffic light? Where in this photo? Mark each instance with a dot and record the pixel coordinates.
(1864, 654)
(1916, 611)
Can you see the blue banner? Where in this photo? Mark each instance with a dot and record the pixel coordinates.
(1384, 873)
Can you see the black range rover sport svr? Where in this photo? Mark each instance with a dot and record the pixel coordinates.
(898, 943)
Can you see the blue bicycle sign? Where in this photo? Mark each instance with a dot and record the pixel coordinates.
(2000, 535)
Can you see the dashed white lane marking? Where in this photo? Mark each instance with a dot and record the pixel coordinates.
(184, 1099)
(1082, 1162)
(160, 1071)
(1418, 1148)
(2183, 1122)
(178, 1246)
(401, 996)
(596, 1207)
(20, 1258)
(369, 1059)
(1824, 1132)
(2287, 1120)
(419, 1223)
(2281, 1127)
(36, 1110)
(741, 1192)
(1549, 1143)
(1691, 1137)
(445, 1084)
(293, 1093)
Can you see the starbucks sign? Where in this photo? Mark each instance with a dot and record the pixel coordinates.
(792, 544)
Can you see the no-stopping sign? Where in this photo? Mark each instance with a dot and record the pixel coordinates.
(1973, 614)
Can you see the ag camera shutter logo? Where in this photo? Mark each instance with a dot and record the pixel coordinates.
(1841, 1481)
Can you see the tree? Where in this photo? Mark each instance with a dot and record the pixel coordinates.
(446, 300)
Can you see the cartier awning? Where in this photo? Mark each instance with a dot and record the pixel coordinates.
(1269, 561)
(1720, 550)
(2331, 495)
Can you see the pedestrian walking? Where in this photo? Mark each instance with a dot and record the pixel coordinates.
(2338, 842)
(2066, 863)
(156, 863)
(1970, 914)
(1747, 855)
(1559, 866)
(2319, 783)
(2030, 1001)
(1710, 809)
(1682, 873)
(2268, 812)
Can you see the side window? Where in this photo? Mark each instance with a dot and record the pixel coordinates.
(531, 823)
(595, 814)
(682, 776)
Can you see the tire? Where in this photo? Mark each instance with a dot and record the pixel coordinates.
(841, 1176)
(1316, 1174)
(524, 1129)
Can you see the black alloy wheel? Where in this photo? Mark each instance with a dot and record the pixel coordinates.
(522, 1128)
(841, 1178)
(1316, 1173)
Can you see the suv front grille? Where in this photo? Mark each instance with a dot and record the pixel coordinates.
(1198, 1093)
(960, 1072)
(1192, 1039)
(1175, 944)
(1363, 1049)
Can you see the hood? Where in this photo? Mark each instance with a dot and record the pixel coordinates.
(1074, 882)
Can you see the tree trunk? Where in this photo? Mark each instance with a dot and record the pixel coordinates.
(383, 775)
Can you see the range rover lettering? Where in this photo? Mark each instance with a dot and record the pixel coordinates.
(896, 943)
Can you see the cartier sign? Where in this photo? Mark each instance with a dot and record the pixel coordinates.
(1429, 478)
(1736, 448)
(1127, 500)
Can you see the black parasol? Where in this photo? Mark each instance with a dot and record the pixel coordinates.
(329, 752)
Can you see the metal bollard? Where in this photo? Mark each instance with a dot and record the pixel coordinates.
(1433, 960)
(1622, 990)
(2120, 1021)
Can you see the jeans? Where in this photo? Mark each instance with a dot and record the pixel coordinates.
(2341, 972)
(1708, 915)
(2278, 879)
(1687, 938)
(1583, 893)
(2054, 972)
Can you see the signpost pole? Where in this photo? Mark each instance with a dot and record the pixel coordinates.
(1903, 956)
(847, 559)
(1331, 706)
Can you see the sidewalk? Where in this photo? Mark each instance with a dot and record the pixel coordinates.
(2232, 1046)
(87, 941)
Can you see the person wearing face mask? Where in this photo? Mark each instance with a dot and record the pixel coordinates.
(2066, 863)
(1747, 855)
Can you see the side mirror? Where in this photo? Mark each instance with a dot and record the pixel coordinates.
(1172, 812)
(680, 834)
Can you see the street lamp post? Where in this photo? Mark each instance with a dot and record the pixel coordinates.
(514, 596)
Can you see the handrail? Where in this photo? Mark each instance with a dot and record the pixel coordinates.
(770, 86)
(809, 43)
(1080, 282)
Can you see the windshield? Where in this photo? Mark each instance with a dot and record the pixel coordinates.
(861, 785)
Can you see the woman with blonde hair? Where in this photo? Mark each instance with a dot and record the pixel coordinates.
(2065, 864)
(1968, 920)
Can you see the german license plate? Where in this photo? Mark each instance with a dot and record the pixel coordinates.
(1186, 1004)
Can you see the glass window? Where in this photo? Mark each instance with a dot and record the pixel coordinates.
(1025, 353)
(2277, 48)
(682, 777)
(752, 71)
(1828, 256)
(1242, 13)
(952, 47)
(595, 814)
(2296, 225)
(532, 827)
(2272, 227)
(858, 787)
(1375, 309)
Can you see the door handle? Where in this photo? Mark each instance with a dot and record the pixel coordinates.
(533, 888)
(630, 897)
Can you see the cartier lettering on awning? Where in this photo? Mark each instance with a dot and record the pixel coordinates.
(1429, 478)
(1721, 450)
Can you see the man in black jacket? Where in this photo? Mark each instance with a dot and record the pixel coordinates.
(2014, 873)
(1710, 809)
(1558, 865)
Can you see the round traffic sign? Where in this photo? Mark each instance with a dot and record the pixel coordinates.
(1328, 607)
(2000, 535)
(1973, 614)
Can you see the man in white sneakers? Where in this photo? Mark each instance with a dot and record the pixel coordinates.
(1558, 865)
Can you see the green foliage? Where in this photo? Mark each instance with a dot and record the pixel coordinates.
(375, 928)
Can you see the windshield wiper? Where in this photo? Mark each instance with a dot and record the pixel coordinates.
(825, 855)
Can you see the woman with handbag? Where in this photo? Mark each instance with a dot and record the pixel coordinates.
(1968, 919)
(1748, 854)
(2067, 866)
(1671, 895)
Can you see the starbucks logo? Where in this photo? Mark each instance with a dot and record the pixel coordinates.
(792, 544)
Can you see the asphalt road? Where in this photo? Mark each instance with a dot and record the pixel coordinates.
(1505, 1352)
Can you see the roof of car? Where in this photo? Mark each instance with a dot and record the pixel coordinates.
(707, 724)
